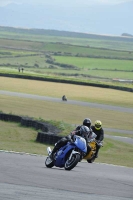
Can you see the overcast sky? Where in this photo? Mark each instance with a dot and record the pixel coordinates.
(112, 17)
(72, 2)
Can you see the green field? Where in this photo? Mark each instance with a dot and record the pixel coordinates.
(92, 63)
(67, 57)
(86, 68)
(64, 55)
(13, 137)
(78, 39)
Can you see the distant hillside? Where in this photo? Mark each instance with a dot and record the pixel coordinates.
(68, 15)
(65, 34)
(127, 35)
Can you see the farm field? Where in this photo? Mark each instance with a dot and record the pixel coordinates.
(67, 55)
(84, 67)
(99, 63)
(96, 58)
(103, 70)
(63, 48)
(91, 40)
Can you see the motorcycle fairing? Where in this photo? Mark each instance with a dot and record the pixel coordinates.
(60, 157)
(80, 143)
(93, 149)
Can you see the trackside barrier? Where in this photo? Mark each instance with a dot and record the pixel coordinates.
(8, 117)
(48, 133)
(47, 138)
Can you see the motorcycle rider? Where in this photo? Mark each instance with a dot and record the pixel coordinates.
(84, 132)
(98, 130)
(64, 97)
(86, 122)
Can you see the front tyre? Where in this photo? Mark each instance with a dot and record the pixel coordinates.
(49, 163)
(70, 164)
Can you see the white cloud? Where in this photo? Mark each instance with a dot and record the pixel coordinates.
(62, 2)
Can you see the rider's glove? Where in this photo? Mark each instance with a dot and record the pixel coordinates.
(72, 137)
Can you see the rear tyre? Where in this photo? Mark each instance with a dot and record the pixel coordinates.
(70, 164)
(49, 163)
(91, 160)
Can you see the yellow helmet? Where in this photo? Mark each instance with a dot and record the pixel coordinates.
(98, 124)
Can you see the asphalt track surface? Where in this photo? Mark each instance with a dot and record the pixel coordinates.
(25, 177)
(80, 103)
(95, 105)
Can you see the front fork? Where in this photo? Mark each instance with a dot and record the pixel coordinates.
(73, 152)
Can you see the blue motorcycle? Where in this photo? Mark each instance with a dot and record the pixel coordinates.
(69, 155)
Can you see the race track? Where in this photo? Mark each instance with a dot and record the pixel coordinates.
(25, 177)
(96, 105)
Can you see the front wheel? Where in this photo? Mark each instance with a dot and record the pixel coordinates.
(70, 164)
(49, 163)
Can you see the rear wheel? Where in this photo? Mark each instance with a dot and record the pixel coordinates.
(49, 163)
(91, 160)
(70, 164)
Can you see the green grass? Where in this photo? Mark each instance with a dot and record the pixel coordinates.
(119, 134)
(73, 92)
(8, 53)
(74, 49)
(14, 137)
(28, 61)
(71, 114)
(115, 152)
(110, 42)
(32, 51)
(93, 63)
(101, 70)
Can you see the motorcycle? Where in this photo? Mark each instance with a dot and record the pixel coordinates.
(64, 98)
(90, 157)
(69, 155)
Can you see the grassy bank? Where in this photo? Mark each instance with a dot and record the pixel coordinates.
(13, 137)
(73, 92)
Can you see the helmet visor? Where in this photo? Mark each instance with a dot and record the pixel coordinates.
(98, 126)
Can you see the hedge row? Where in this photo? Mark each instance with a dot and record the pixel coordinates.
(68, 81)
(48, 132)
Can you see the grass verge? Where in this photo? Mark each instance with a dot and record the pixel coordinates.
(62, 111)
(14, 137)
(73, 92)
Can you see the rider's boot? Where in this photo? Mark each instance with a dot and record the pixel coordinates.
(96, 154)
(53, 152)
